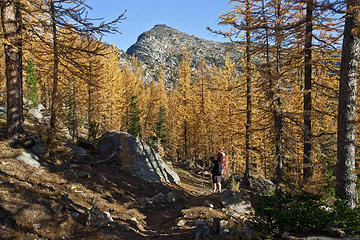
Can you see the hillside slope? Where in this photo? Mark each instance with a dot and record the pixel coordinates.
(55, 201)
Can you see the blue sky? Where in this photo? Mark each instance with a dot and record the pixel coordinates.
(190, 16)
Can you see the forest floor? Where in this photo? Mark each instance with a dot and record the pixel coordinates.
(45, 202)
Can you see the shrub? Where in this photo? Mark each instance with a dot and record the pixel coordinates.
(303, 212)
(283, 211)
(347, 218)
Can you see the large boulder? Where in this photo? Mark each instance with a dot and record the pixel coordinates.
(141, 160)
(261, 185)
(37, 113)
(29, 159)
(236, 204)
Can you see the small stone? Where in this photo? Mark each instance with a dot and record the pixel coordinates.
(285, 235)
(36, 226)
(181, 223)
(148, 201)
(75, 214)
(336, 232)
(170, 197)
(224, 223)
(207, 203)
(108, 217)
(159, 197)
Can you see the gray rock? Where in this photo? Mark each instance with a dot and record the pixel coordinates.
(224, 223)
(29, 158)
(170, 197)
(262, 185)
(235, 203)
(207, 203)
(159, 198)
(40, 150)
(216, 227)
(249, 230)
(136, 156)
(75, 214)
(30, 141)
(181, 223)
(95, 218)
(202, 230)
(108, 217)
(77, 151)
(36, 114)
(3, 111)
(285, 235)
(36, 226)
(321, 238)
(336, 232)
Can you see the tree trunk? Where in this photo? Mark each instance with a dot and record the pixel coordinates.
(55, 74)
(247, 174)
(11, 23)
(345, 175)
(308, 169)
(277, 102)
(185, 139)
(90, 122)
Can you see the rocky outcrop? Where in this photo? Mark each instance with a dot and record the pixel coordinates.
(164, 46)
(141, 160)
(236, 204)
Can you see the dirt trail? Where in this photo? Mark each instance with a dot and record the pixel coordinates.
(40, 203)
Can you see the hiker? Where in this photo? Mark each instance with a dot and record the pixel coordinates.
(217, 170)
(216, 173)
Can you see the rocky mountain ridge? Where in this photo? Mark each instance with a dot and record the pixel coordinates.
(163, 46)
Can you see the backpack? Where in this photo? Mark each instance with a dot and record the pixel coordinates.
(223, 166)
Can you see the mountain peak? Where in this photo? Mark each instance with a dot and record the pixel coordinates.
(164, 45)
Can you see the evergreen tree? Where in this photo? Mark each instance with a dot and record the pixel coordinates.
(160, 128)
(133, 125)
(32, 83)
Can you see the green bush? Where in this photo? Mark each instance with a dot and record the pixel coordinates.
(32, 83)
(302, 213)
(284, 211)
(234, 185)
(347, 218)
